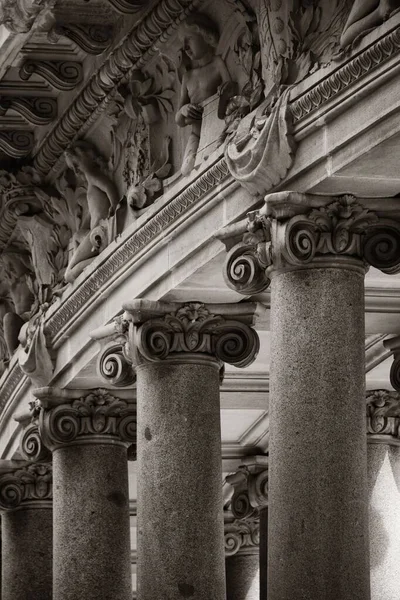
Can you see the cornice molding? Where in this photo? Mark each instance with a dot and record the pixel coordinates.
(131, 53)
(345, 76)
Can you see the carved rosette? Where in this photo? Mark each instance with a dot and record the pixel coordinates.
(242, 537)
(250, 483)
(161, 331)
(30, 485)
(383, 416)
(295, 231)
(95, 417)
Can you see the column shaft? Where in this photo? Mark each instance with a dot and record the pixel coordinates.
(263, 554)
(242, 577)
(27, 542)
(91, 522)
(180, 519)
(318, 526)
(384, 522)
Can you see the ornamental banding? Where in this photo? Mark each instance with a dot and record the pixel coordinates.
(299, 231)
(383, 416)
(81, 417)
(171, 331)
(25, 486)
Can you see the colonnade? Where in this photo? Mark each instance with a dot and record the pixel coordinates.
(313, 494)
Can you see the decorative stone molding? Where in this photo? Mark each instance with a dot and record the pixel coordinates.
(16, 143)
(296, 230)
(37, 110)
(346, 75)
(114, 364)
(91, 38)
(82, 417)
(159, 331)
(383, 416)
(250, 483)
(242, 537)
(30, 485)
(127, 6)
(393, 345)
(61, 74)
(132, 52)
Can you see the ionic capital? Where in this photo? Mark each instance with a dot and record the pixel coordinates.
(30, 485)
(383, 416)
(300, 231)
(84, 417)
(190, 332)
(242, 537)
(250, 483)
(393, 344)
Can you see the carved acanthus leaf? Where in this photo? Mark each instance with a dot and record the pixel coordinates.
(241, 536)
(98, 414)
(32, 483)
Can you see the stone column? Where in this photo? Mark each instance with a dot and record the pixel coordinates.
(88, 432)
(178, 351)
(314, 249)
(242, 559)
(383, 425)
(27, 533)
(250, 500)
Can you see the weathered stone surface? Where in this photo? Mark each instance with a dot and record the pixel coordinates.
(242, 577)
(317, 473)
(91, 521)
(180, 521)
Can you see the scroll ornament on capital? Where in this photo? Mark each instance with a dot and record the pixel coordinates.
(31, 446)
(242, 536)
(97, 415)
(32, 483)
(193, 328)
(383, 413)
(251, 489)
(293, 230)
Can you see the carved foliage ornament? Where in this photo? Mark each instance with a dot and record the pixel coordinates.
(241, 535)
(193, 328)
(288, 233)
(18, 16)
(383, 413)
(31, 483)
(251, 491)
(97, 414)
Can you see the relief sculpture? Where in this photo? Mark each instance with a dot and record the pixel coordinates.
(206, 73)
(364, 16)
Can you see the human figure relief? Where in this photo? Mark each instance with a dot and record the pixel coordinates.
(204, 76)
(102, 200)
(364, 16)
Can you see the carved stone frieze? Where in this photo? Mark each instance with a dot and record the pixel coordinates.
(158, 24)
(67, 418)
(300, 230)
(27, 486)
(37, 110)
(18, 16)
(364, 16)
(383, 415)
(127, 6)
(159, 331)
(61, 74)
(250, 483)
(242, 536)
